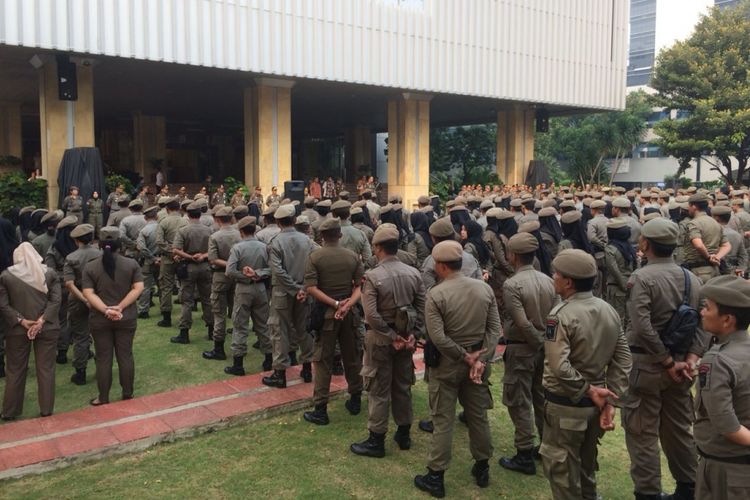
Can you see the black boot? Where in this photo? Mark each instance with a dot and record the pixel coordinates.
(373, 446)
(481, 472)
(236, 368)
(79, 377)
(319, 416)
(432, 483)
(267, 362)
(277, 379)
(403, 437)
(166, 320)
(684, 491)
(354, 403)
(211, 333)
(143, 315)
(182, 338)
(256, 345)
(522, 462)
(426, 426)
(62, 357)
(306, 372)
(293, 358)
(217, 353)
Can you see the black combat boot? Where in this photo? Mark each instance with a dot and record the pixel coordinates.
(277, 379)
(256, 345)
(236, 368)
(522, 462)
(182, 338)
(481, 472)
(373, 446)
(143, 315)
(426, 426)
(354, 403)
(211, 332)
(537, 455)
(217, 353)
(432, 483)
(166, 320)
(62, 357)
(319, 416)
(306, 372)
(684, 491)
(338, 367)
(79, 377)
(293, 358)
(267, 362)
(403, 437)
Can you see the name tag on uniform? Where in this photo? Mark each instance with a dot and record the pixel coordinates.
(551, 331)
(704, 375)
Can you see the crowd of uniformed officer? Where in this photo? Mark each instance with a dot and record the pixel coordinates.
(594, 293)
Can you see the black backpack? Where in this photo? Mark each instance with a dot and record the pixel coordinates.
(680, 331)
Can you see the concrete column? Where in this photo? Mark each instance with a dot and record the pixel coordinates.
(268, 134)
(358, 141)
(149, 143)
(63, 124)
(409, 147)
(10, 129)
(515, 144)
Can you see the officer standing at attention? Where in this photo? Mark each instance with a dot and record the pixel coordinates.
(130, 226)
(78, 306)
(222, 287)
(596, 230)
(722, 406)
(705, 243)
(332, 278)
(528, 296)
(658, 406)
(351, 238)
(145, 245)
(288, 253)
(44, 241)
(586, 362)
(73, 204)
(442, 230)
(248, 266)
(191, 245)
(115, 218)
(736, 260)
(463, 324)
(393, 298)
(165, 235)
(621, 261)
(95, 207)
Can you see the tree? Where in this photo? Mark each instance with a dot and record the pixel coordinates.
(707, 76)
(466, 152)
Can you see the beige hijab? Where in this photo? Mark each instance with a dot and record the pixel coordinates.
(28, 267)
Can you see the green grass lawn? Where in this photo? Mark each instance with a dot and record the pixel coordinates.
(286, 457)
(159, 366)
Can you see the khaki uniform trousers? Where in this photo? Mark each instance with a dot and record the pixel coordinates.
(198, 280)
(110, 342)
(18, 348)
(523, 393)
(63, 340)
(617, 299)
(166, 284)
(705, 273)
(721, 481)
(657, 409)
(343, 333)
(222, 297)
(78, 321)
(149, 281)
(449, 382)
(248, 305)
(569, 450)
(288, 323)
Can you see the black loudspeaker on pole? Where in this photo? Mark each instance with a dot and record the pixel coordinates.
(67, 80)
(542, 120)
(294, 190)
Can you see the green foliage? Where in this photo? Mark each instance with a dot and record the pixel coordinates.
(467, 153)
(114, 180)
(677, 181)
(10, 161)
(16, 191)
(231, 185)
(707, 76)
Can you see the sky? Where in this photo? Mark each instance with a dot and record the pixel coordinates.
(675, 19)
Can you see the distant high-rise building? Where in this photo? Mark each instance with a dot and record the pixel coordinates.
(642, 49)
(722, 4)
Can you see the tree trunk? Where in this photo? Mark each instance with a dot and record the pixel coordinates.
(615, 167)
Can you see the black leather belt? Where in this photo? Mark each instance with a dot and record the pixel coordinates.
(474, 347)
(514, 342)
(695, 265)
(562, 400)
(742, 460)
(637, 350)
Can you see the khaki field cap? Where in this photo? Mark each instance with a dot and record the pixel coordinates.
(523, 243)
(697, 197)
(184, 203)
(355, 210)
(323, 203)
(309, 200)
(202, 202)
(135, 203)
(460, 200)
(568, 204)
(617, 223)
(597, 204)
(575, 264)
(151, 211)
(486, 204)
(547, 212)
(549, 203)
(721, 210)
(730, 291)
(528, 227)
(269, 210)
(344, 194)
(738, 201)
(223, 212)
(385, 234)
(652, 216)
(246, 221)
(284, 211)
(193, 206)
(423, 200)
(329, 224)
(569, 217)
(494, 212)
(661, 230)
(302, 220)
(81, 230)
(447, 251)
(53, 215)
(341, 204)
(26, 210)
(515, 202)
(70, 220)
(109, 233)
(621, 202)
(240, 211)
(442, 228)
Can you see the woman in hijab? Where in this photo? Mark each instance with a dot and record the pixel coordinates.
(574, 233)
(111, 285)
(421, 245)
(459, 217)
(37, 228)
(499, 220)
(389, 216)
(29, 304)
(24, 223)
(55, 260)
(254, 210)
(471, 239)
(544, 258)
(620, 258)
(550, 230)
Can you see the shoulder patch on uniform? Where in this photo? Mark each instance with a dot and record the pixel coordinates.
(551, 331)
(704, 375)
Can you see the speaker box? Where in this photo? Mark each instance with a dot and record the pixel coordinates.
(294, 190)
(67, 80)
(542, 120)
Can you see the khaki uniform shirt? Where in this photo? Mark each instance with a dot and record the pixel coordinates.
(528, 296)
(736, 259)
(192, 238)
(266, 234)
(221, 242)
(112, 291)
(248, 252)
(42, 243)
(145, 243)
(706, 228)
(470, 268)
(335, 270)
(75, 262)
(597, 233)
(288, 253)
(116, 217)
(369, 233)
(18, 301)
(166, 232)
(355, 240)
(130, 226)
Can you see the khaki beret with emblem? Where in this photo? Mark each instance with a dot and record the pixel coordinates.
(269, 210)
(549, 203)
(340, 205)
(284, 211)
(202, 202)
(223, 212)
(82, 230)
(302, 220)
(617, 223)
(246, 221)
(194, 206)
(442, 228)
(721, 210)
(495, 212)
(570, 217)
(730, 291)
(528, 227)
(324, 203)
(547, 212)
(70, 220)
(697, 198)
(621, 202)
(523, 243)
(109, 233)
(329, 224)
(423, 200)
(575, 264)
(738, 201)
(460, 200)
(240, 211)
(355, 210)
(54, 215)
(184, 203)
(515, 202)
(661, 230)
(597, 204)
(448, 251)
(151, 211)
(568, 204)
(136, 203)
(486, 204)
(385, 234)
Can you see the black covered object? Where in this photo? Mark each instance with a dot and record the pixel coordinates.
(81, 167)
(294, 190)
(537, 173)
